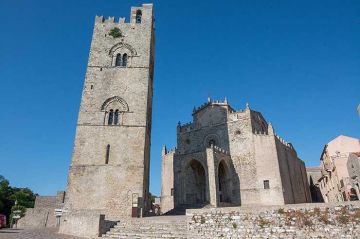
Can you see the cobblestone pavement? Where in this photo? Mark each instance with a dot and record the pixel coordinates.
(33, 234)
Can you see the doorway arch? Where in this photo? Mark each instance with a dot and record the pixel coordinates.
(224, 183)
(195, 183)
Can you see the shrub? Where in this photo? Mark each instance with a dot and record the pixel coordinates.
(115, 32)
(325, 218)
(317, 210)
(281, 211)
(344, 219)
(234, 225)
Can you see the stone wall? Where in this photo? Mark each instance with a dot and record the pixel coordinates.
(43, 213)
(109, 171)
(167, 186)
(257, 168)
(83, 223)
(288, 221)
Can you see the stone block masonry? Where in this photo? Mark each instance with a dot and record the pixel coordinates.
(290, 221)
(109, 171)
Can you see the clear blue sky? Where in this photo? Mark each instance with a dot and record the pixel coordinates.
(297, 62)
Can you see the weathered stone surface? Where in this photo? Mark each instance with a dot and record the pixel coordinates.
(288, 221)
(225, 157)
(109, 172)
(43, 213)
(40, 233)
(339, 181)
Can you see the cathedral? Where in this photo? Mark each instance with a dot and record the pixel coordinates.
(230, 158)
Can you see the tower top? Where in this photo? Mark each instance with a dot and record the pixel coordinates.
(137, 15)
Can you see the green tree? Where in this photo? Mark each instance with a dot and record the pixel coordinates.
(8, 195)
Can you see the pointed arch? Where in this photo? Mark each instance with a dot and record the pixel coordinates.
(123, 106)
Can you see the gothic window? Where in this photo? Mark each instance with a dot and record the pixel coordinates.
(266, 184)
(138, 16)
(111, 117)
(116, 117)
(124, 59)
(107, 156)
(118, 60)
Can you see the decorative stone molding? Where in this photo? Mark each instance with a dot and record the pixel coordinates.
(124, 106)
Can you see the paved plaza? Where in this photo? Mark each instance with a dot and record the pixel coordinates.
(44, 233)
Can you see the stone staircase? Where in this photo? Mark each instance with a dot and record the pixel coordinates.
(151, 227)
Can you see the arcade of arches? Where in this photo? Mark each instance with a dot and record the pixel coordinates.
(196, 183)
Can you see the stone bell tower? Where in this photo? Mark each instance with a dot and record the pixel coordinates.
(109, 172)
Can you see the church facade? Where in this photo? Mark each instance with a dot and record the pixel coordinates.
(230, 158)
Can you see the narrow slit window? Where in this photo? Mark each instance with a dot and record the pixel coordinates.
(124, 60)
(118, 60)
(111, 117)
(107, 156)
(116, 117)
(266, 184)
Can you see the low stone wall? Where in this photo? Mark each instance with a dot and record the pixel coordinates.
(43, 213)
(290, 221)
(83, 223)
(34, 218)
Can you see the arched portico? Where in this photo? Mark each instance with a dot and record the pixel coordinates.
(224, 183)
(195, 183)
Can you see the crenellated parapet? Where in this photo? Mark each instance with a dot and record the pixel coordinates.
(260, 133)
(286, 144)
(185, 127)
(135, 11)
(166, 151)
(213, 102)
(102, 19)
(220, 150)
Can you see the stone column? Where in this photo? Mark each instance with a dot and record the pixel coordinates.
(212, 177)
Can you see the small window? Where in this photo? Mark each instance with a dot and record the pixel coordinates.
(118, 60)
(124, 60)
(138, 16)
(172, 192)
(266, 184)
(116, 117)
(111, 117)
(211, 142)
(107, 154)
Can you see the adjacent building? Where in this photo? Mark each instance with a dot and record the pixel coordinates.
(339, 165)
(314, 174)
(227, 158)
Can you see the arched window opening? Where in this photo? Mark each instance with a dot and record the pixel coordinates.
(107, 156)
(118, 60)
(211, 142)
(124, 59)
(111, 117)
(116, 117)
(138, 16)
